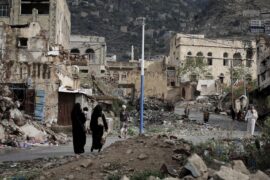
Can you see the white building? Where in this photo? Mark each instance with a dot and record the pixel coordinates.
(217, 54)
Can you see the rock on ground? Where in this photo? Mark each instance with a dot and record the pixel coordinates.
(196, 166)
(259, 176)
(226, 173)
(239, 166)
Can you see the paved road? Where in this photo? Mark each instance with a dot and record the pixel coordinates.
(64, 150)
(47, 151)
(232, 129)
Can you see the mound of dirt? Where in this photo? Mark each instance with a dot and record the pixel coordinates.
(128, 157)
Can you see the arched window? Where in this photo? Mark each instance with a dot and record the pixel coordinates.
(225, 59)
(91, 54)
(237, 59)
(75, 51)
(209, 59)
(189, 53)
(200, 54)
(199, 58)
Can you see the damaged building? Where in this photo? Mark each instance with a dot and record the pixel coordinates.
(89, 54)
(218, 55)
(32, 45)
(261, 96)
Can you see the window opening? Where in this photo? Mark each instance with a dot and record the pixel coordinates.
(27, 6)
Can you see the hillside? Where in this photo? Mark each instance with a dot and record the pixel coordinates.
(116, 20)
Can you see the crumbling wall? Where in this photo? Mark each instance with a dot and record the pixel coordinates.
(155, 83)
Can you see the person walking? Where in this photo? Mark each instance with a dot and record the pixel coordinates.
(124, 116)
(78, 129)
(206, 115)
(87, 114)
(187, 110)
(251, 117)
(97, 125)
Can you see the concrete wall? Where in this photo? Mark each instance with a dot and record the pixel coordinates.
(183, 46)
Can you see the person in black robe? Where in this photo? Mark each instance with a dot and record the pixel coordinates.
(97, 125)
(78, 129)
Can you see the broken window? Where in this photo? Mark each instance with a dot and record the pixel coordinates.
(22, 42)
(28, 70)
(4, 9)
(49, 72)
(189, 53)
(84, 71)
(27, 6)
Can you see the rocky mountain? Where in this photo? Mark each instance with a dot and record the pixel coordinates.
(116, 20)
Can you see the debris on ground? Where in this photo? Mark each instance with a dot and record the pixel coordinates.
(20, 130)
(153, 157)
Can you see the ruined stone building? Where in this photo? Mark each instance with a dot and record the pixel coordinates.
(33, 36)
(126, 77)
(89, 54)
(53, 17)
(216, 54)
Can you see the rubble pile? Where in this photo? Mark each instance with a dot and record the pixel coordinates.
(156, 111)
(20, 130)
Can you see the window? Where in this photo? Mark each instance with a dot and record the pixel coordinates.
(200, 54)
(225, 59)
(42, 6)
(209, 59)
(189, 53)
(91, 54)
(22, 42)
(237, 59)
(75, 51)
(4, 10)
(84, 71)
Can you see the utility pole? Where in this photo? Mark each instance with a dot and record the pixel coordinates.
(142, 79)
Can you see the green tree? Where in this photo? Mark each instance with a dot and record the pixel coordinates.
(193, 66)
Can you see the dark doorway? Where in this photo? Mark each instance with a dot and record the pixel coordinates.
(65, 105)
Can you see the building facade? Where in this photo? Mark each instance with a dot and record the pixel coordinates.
(92, 49)
(53, 17)
(216, 54)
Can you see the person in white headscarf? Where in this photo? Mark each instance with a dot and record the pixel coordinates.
(124, 116)
(251, 117)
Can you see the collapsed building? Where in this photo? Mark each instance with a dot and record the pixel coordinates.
(218, 56)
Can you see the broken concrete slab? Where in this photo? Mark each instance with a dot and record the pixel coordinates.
(32, 132)
(2, 133)
(226, 173)
(196, 166)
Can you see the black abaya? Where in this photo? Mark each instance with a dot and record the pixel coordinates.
(78, 130)
(97, 130)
